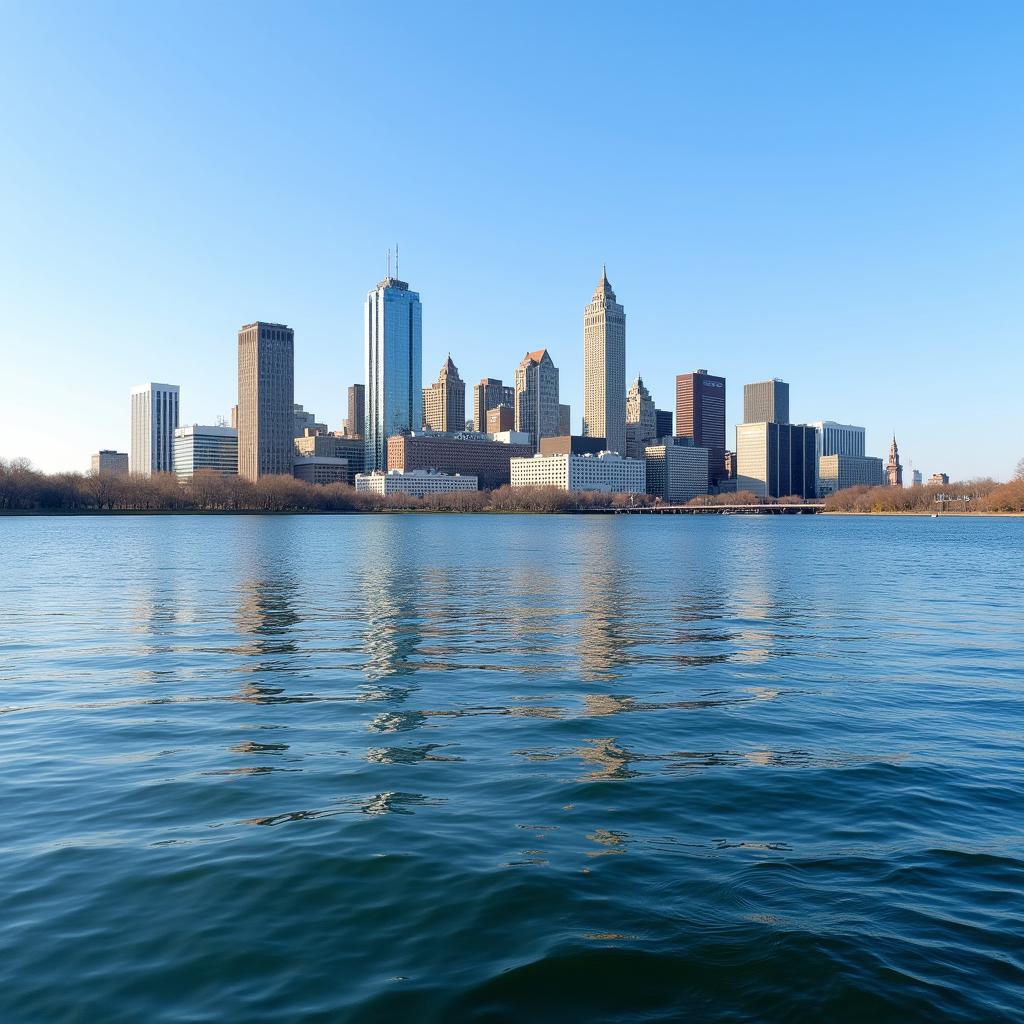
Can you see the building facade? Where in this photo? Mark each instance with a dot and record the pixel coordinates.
(663, 421)
(641, 420)
(838, 438)
(319, 445)
(321, 469)
(776, 460)
(466, 455)
(198, 447)
(488, 395)
(444, 402)
(608, 473)
(303, 421)
(604, 367)
(393, 331)
(676, 473)
(894, 468)
(266, 399)
(572, 444)
(936, 479)
(700, 416)
(837, 472)
(564, 418)
(766, 401)
(415, 482)
(355, 422)
(500, 419)
(536, 396)
(154, 420)
(106, 460)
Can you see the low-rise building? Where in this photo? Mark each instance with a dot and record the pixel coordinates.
(320, 469)
(572, 444)
(414, 482)
(322, 445)
(106, 460)
(941, 479)
(199, 447)
(676, 473)
(607, 472)
(513, 437)
(500, 419)
(465, 454)
(837, 472)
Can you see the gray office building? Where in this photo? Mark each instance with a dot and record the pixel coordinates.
(767, 401)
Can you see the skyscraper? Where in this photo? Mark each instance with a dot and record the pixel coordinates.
(394, 366)
(537, 396)
(663, 418)
(154, 420)
(894, 469)
(776, 460)
(767, 401)
(604, 367)
(487, 395)
(641, 420)
(355, 425)
(266, 399)
(700, 415)
(444, 402)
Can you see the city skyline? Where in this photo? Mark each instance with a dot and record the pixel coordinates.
(784, 220)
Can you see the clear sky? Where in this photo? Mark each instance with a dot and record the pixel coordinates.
(829, 193)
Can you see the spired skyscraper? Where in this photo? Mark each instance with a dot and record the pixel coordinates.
(266, 399)
(444, 402)
(604, 368)
(394, 367)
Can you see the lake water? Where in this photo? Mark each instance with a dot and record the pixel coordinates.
(508, 768)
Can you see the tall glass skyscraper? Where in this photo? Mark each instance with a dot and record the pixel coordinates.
(394, 367)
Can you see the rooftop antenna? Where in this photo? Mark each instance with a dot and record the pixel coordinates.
(389, 263)
(396, 259)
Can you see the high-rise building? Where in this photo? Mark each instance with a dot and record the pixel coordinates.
(641, 420)
(608, 472)
(444, 402)
(154, 420)
(767, 401)
(537, 396)
(355, 424)
(916, 479)
(663, 419)
(266, 399)
(106, 460)
(838, 438)
(198, 447)
(700, 416)
(488, 395)
(564, 418)
(776, 460)
(303, 421)
(604, 367)
(677, 473)
(394, 366)
(837, 472)
(500, 419)
(894, 469)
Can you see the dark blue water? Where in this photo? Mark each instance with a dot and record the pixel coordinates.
(448, 768)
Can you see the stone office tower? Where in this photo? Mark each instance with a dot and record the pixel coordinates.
(537, 411)
(488, 395)
(604, 367)
(444, 402)
(266, 399)
(894, 470)
(394, 366)
(641, 420)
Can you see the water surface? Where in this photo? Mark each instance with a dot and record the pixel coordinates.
(505, 768)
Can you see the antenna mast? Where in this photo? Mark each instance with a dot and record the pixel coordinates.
(396, 260)
(389, 263)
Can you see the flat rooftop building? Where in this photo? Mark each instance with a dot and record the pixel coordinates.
(200, 447)
(106, 460)
(415, 483)
(607, 472)
(466, 454)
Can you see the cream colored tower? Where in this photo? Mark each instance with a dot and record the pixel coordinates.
(604, 367)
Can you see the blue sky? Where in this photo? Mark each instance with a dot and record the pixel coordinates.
(828, 193)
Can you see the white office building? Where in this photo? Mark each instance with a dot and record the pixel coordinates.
(154, 420)
(677, 473)
(414, 482)
(837, 439)
(607, 472)
(198, 447)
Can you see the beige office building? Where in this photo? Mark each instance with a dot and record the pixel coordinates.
(106, 460)
(641, 420)
(537, 406)
(444, 402)
(266, 399)
(604, 368)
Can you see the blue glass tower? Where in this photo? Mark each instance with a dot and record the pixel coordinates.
(394, 367)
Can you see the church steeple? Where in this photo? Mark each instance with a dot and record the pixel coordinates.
(894, 471)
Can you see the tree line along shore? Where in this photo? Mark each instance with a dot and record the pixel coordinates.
(24, 489)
